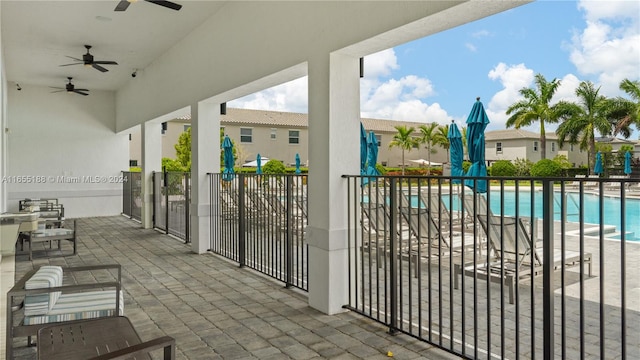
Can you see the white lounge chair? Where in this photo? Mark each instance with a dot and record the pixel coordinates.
(513, 255)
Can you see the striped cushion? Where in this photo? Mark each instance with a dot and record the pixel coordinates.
(78, 306)
(43, 233)
(45, 277)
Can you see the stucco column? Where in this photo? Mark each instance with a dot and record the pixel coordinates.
(334, 150)
(151, 161)
(205, 150)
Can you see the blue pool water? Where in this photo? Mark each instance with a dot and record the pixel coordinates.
(591, 208)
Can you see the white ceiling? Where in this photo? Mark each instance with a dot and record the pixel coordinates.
(38, 35)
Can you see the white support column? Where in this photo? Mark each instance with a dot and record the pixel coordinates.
(151, 161)
(205, 151)
(334, 150)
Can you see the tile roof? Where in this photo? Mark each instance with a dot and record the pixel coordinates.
(279, 118)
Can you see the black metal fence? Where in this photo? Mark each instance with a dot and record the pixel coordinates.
(546, 269)
(259, 221)
(132, 195)
(171, 194)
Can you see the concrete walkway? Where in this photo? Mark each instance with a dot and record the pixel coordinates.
(214, 309)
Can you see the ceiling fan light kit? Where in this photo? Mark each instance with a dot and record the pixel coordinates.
(70, 88)
(124, 4)
(89, 61)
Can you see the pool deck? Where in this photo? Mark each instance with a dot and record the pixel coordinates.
(216, 310)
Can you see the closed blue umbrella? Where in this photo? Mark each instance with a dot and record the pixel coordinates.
(627, 163)
(476, 124)
(228, 174)
(456, 151)
(259, 164)
(372, 157)
(363, 149)
(597, 169)
(298, 163)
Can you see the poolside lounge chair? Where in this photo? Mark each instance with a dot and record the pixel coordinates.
(615, 185)
(576, 183)
(591, 184)
(422, 225)
(513, 255)
(439, 211)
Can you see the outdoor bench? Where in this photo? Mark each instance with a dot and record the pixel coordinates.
(41, 297)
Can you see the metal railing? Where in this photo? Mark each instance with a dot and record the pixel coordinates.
(171, 194)
(259, 222)
(530, 269)
(132, 195)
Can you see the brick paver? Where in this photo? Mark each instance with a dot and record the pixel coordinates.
(216, 310)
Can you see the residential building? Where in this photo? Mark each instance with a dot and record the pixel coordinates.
(512, 144)
(282, 135)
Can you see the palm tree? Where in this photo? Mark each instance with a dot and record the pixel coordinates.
(404, 140)
(583, 119)
(428, 138)
(535, 107)
(626, 111)
(442, 138)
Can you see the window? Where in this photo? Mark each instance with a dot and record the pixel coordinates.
(571, 147)
(294, 137)
(273, 134)
(186, 127)
(379, 139)
(553, 147)
(133, 162)
(246, 135)
(498, 147)
(535, 146)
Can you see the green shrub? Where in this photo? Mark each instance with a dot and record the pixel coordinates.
(523, 167)
(273, 166)
(546, 168)
(563, 161)
(503, 168)
(381, 169)
(466, 165)
(172, 165)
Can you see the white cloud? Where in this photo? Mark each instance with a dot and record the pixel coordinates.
(380, 64)
(513, 78)
(380, 96)
(291, 96)
(608, 48)
(471, 47)
(481, 34)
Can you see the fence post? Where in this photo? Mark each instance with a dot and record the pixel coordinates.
(393, 280)
(241, 221)
(187, 212)
(547, 268)
(289, 239)
(166, 199)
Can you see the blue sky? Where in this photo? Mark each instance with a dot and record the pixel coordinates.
(437, 78)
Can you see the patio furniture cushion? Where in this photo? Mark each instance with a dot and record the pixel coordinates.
(79, 306)
(45, 277)
(47, 233)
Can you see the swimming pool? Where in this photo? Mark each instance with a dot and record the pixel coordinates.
(591, 208)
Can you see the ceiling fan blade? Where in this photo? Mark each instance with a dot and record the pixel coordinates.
(98, 67)
(77, 91)
(167, 4)
(122, 5)
(72, 64)
(61, 90)
(81, 90)
(76, 59)
(105, 62)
